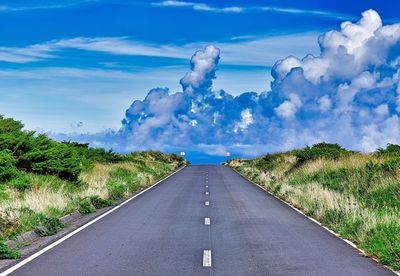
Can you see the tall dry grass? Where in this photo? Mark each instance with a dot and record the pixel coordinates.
(345, 206)
(49, 196)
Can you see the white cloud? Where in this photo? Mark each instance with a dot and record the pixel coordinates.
(382, 110)
(346, 94)
(199, 6)
(236, 9)
(288, 108)
(247, 52)
(43, 6)
(203, 65)
(247, 120)
(325, 103)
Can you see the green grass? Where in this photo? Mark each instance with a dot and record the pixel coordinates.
(8, 253)
(30, 200)
(357, 195)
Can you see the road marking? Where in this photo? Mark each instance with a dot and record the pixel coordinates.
(207, 221)
(47, 248)
(206, 186)
(207, 258)
(207, 193)
(207, 203)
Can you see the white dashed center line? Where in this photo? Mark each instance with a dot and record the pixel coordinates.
(207, 258)
(206, 186)
(207, 221)
(207, 193)
(207, 203)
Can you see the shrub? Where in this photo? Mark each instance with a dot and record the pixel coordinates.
(269, 162)
(20, 182)
(8, 253)
(9, 125)
(7, 166)
(390, 150)
(89, 204)
(50, 157)
(321, 150)
(98, 202)
(91, 155)
(40, 154)
(52, 224)
(86, 207)
(389, 166)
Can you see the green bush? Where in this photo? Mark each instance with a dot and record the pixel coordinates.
(20, 182)
(156, 156)
(390, 150)
(50, 157)
(8, 253)
(387, 167)
(268, 162)
(91, 155)
(52, 224)
(86, 206)
(39, 154)
(7, 166)
(321, 150)
(98, 202)
(89, 204)
(9, 125)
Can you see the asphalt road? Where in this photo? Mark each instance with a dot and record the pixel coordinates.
(164, 232)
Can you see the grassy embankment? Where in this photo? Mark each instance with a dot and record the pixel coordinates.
(357, 195)
(42, 180)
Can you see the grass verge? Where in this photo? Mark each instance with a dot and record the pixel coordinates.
(356, 195)
(48, 197)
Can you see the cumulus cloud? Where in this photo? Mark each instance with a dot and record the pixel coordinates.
(202, 73)
(348, 94)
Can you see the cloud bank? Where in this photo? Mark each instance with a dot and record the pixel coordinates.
(348, 94)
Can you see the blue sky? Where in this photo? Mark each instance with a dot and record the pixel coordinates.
(77, 66)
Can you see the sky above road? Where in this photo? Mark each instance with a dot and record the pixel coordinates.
(77, 67)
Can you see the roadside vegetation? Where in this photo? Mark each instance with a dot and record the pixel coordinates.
(42, 180)
(357, 195)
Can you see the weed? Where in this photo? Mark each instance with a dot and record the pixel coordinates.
(86, 207)
(116, 190)
(8, 253)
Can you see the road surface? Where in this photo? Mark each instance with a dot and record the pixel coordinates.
(204, 220)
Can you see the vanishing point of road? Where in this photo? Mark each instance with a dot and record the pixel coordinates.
(203, 220)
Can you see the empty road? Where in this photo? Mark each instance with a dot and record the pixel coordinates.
(204, 220)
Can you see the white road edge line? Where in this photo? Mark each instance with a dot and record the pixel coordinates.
(207, 203)
(207, 258)
(207, 221)
(319, 223)
(47, 248)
